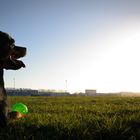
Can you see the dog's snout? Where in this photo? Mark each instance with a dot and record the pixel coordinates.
(18, 51)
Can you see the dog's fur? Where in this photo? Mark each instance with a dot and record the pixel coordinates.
(9, 53)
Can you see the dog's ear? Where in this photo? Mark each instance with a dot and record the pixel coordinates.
(6, 38)
(6, 42)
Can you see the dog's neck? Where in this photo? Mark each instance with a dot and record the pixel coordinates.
(1, 78)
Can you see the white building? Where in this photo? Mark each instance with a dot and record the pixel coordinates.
(90, 92)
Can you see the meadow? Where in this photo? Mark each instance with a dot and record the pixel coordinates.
(76, 118)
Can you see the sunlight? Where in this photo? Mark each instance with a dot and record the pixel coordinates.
(119, 68)
(115, 68)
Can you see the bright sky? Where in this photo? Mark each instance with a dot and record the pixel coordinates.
(93, 44)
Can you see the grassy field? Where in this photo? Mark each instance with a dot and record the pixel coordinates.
(76, 118)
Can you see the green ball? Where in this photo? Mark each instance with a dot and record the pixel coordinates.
(20, 107)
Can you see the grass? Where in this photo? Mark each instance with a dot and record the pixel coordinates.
(76, 118)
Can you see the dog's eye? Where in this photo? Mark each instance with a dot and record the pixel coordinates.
(12, 46)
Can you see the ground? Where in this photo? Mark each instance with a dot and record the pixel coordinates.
(76, 118)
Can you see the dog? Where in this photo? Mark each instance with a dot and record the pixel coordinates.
(9, 54)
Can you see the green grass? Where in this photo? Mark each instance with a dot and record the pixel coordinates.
(76, 118)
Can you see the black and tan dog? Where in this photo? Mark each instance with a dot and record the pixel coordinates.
(9, 53)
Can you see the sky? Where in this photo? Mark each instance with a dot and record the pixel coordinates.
(75, 45)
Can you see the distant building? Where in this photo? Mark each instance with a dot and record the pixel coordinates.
(53, 93)
(31, 92)
(21, 92)
(90, 92)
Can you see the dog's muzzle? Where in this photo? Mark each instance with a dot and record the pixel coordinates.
(18, 52)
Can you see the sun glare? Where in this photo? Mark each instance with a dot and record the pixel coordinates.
(115, 68)
(119, 68)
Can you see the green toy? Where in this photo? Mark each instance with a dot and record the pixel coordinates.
(20, 107)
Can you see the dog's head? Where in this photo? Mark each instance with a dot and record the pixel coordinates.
(9, 52)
